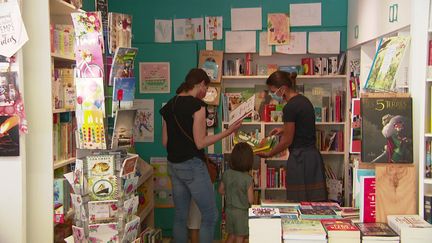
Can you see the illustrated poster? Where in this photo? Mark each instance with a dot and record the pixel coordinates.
(144, 120)
(278, 29)
(188, 29)
(213, 28)
(163, 30)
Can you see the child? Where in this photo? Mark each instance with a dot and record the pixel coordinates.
(237, 186)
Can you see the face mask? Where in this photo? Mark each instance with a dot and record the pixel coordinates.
(276, 97)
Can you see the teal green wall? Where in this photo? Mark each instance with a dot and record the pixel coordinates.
(184, 55)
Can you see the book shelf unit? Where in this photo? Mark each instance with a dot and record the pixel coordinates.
(338, 161)
(62, 140)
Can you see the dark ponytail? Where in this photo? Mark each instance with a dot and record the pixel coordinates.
(282, 78)
(194, 77)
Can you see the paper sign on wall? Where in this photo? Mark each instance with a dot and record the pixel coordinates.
(188, 29)
(297, 44)
(154, 77)
(278, 29)
(264, 48)
(163, 31)
(12, 30)
(324, 42)
(144, 120)
(213, 28)
(305, 14)
(246, 19)
(240, 41)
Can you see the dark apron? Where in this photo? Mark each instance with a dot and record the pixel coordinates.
(305, 176)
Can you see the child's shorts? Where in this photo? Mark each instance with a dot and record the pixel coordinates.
(237, 221)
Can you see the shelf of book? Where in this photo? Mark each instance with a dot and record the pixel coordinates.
(281, 123)
(62, 110)
(298, 77)
(62, 57)
(61, 7)
(428, 181)
(61, 163)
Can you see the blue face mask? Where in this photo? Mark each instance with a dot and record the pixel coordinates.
(276, 97)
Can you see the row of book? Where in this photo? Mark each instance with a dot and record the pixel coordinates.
(428, 161)
(62, 40)
(63, 88)
(309, 66)
(64, 143)
(62, 202)
(329, 140)
(295, 227)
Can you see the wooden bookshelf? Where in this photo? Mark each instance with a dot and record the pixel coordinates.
(61, 163)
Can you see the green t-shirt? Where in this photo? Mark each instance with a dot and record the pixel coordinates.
(236, 185)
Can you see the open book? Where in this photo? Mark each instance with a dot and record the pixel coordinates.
(242, 111)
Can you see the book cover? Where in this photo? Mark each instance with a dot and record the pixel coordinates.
(306, 213)
(355, 138)
(103, 232)
(9, 136)
(122, 64)
(387, 131)
(278, 203)
(213, 94)
(383, 73)
(123, 94)
(211, 63)
(399, 222)
(257, 213)
(302, 230)
(376, 231)
(130, 206)
(78, 234)
(367, 197)
(243, 110)
(428, 208)
(9, 88)
(318, 94)
(340, 228)
(120, 31)
(103, 188)
(102, 211)
(100, 165)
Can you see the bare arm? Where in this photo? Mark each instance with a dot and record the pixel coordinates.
(250, 194)
(200, 130)
(221, 188)
(164, 133)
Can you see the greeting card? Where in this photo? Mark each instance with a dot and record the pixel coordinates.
(103, 233)
(129, 165)
(103, 188)
(130, 185)
(130, 206)
(131, 230)
(213, 28)
(100, 165)
(123, 94)
(278, 29)
(120, 31)
(102, 211)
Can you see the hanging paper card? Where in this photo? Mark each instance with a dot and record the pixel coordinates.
(305, 14)
(103, 188)
(326, 42)
(130, 206)
(128, 166)
(91, 131)
(100, 165)
(144, 121)
(154, 77)
(131, 230)
(88, 55)
(103, 232)
(130, 185)
(240, 41)
(13, 34)
(211, 62)
(123, 94)
(123, 129)
(264, 48)
(102, 211)
(297, 44)
(246, 19)
(188, 29)
(213, 29)
(78, 234)
(163, 31)
(278, 29)
(120, 31)
(90, 94)
(122, 64)
(88, 23)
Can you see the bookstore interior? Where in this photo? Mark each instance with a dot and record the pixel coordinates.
(310, 120)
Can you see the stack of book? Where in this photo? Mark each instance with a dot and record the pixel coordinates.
(377, 233)
(411, 228)
(302, 231)
(311, 210)
(264, 225)
(350, 213)
(341, 231)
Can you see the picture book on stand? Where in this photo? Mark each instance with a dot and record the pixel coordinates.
(385, 67)
(387, 132)
(123, 63)
(120, 31)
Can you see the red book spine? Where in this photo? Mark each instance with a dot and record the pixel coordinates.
(369, 201)
(307, 66)
(338, 109)
(248, 70)
(430, 53)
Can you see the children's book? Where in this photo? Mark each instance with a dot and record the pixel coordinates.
(103, 188)
(102, 211)
(123, 94)
(213, 94)
(120, 31)
(123, 63)
(340, 228)
(387, 132)
(103, 232)
(302, 230)
(100, 165)
(211, 63)
(243, 110)
(377, 231)
(385, 67)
